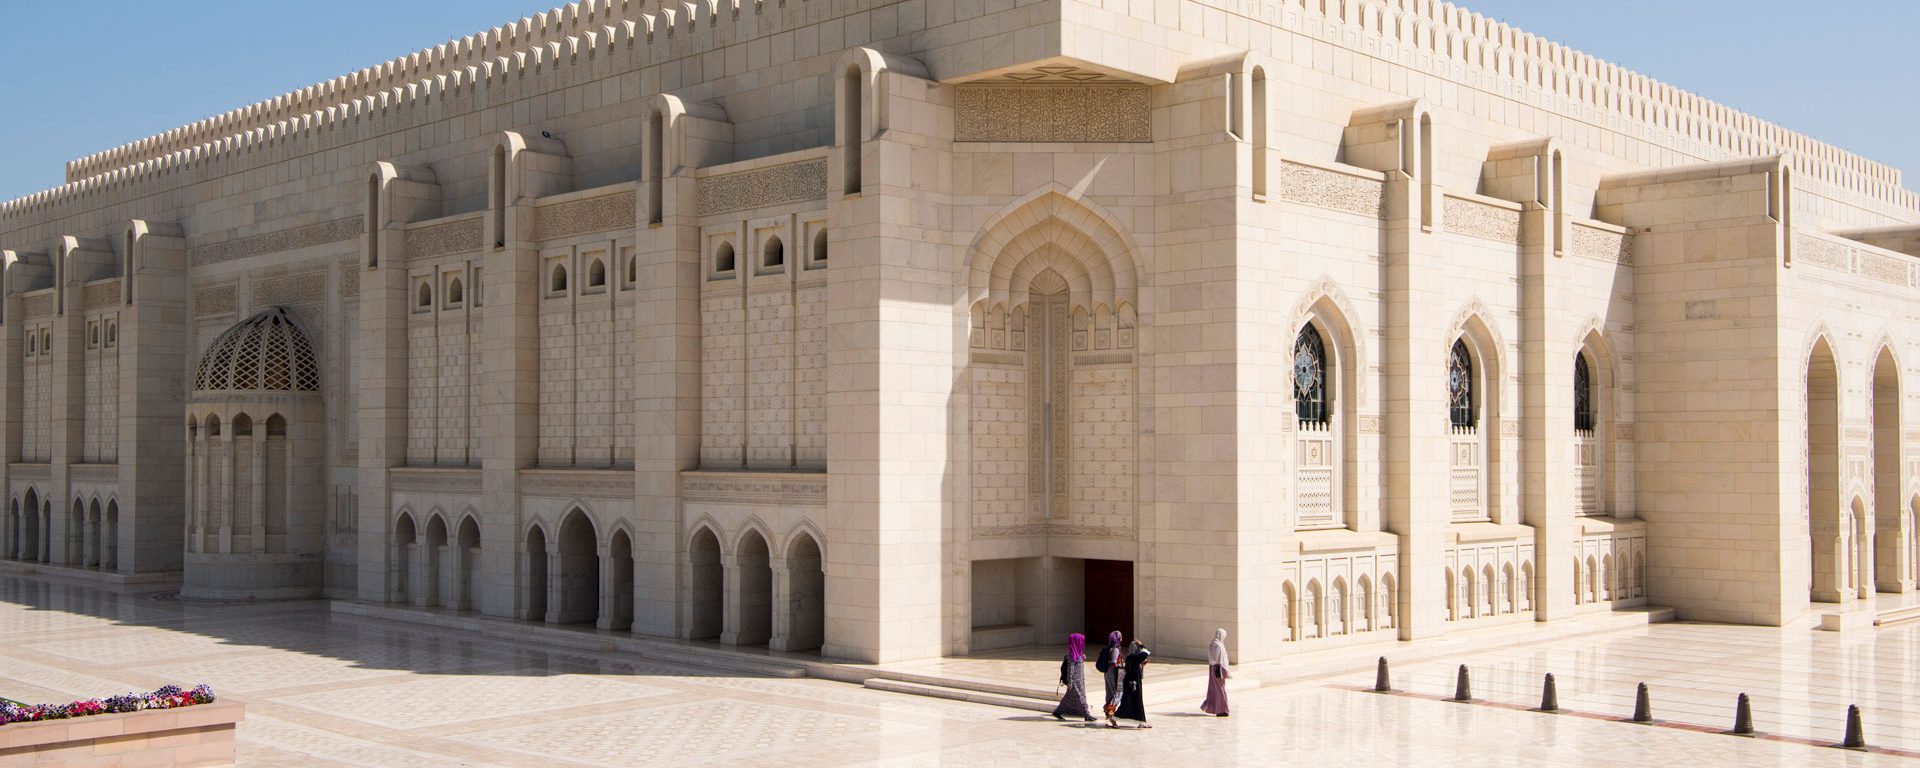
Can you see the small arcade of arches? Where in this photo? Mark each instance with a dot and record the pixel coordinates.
(746, 595)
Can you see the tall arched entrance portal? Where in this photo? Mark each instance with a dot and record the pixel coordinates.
(1053, 291)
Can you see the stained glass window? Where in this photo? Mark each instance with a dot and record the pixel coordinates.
(1460, 411)
(1310, 398)
(1582, 394)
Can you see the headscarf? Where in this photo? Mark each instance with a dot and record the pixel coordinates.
(1217, 650)
(1113, 639)
(1077, 646)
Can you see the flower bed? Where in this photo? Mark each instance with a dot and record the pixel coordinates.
(168, 697)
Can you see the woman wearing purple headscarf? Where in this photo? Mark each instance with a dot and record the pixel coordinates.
(1217, 674)
(1073, 675)
(1112, 659)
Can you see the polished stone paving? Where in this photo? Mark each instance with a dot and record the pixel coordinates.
(324, 690)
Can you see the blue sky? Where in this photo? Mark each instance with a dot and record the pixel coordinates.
(86, 76)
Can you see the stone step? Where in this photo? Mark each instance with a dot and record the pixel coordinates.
(962, 684)
(959, 694)
(719, 659)
(1895, 616)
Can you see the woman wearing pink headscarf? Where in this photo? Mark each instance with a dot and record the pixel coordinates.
(1073, 675)
(1217, 674)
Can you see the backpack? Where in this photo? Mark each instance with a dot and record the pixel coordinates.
(1105, 662)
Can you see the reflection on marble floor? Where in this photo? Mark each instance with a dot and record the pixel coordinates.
(342, 691)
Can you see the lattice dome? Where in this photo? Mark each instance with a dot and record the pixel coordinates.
(266, 352)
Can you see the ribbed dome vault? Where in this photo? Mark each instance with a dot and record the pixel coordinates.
(264, 353)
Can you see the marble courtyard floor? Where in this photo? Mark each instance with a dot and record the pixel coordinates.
(323, 689)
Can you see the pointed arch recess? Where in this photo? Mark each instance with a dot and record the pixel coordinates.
(1053, 228)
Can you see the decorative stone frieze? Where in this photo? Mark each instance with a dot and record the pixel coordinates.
(324, 233)
(302, 288)
(37, 306)
(30, 473)
(1885, 269)
(577, 484)
(94, 474)
(778, 185)
(1046, 529)
(1820, 253)
(215, 300)
(456, 481)
(579, 217)
(349, 280)
(1331, 189)
(1103, 114)
(1477, 219)
(100, 295)
(442, 239)
(1601, 244)
(774, 488)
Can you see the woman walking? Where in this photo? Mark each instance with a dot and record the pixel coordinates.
(1073, 675)
(1217, 674)
(1133, 700)
(1110, 665)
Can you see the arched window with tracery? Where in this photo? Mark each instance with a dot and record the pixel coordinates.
(1311, 401)
(1582, 394)
(1460, 406)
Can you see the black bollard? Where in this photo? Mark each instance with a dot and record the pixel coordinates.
(1462, 689)
(1642, 708)
(1856, 736)
(1380, 683)
(1549, 698)
(1743, 717)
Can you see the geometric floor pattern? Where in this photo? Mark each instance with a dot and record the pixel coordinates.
(329, 691)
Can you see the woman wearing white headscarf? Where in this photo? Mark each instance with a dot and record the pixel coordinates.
(1217, 674)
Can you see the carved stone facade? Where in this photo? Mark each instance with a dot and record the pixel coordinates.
(1101, 113)
(820, 352)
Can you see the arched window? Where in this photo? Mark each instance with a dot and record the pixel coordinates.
(455, 292)
(820, 247)
(774, 254)
(559, 278)
(1460, 410)
(723, 258)
(633, 270)
(113, 333)
(596, 274)
(1311, 401)
(426, 295)
(242, 426)
(1582, 394)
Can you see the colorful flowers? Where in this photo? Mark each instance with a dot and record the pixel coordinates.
(168, 697)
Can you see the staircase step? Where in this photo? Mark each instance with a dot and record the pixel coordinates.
(976, 686)
(722, 660)
(957, 694)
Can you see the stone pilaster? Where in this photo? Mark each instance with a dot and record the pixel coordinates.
(154, 351)
(894, 329)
